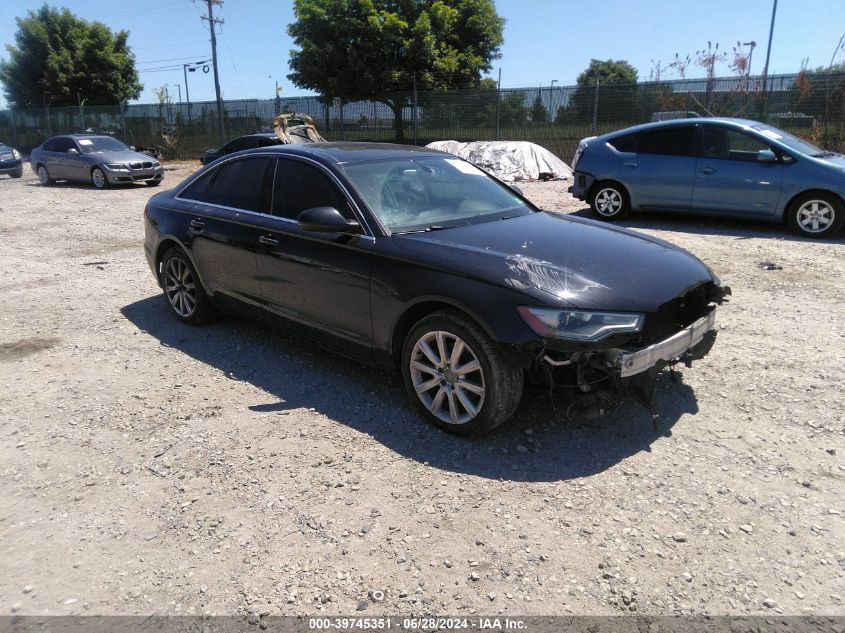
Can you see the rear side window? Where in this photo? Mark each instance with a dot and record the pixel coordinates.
(242, 184)
(59, 144)
(196, 190)
(300, 186)
(675, 141)
(626, 143)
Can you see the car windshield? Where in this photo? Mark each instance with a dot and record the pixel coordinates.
(431, 193)
(101, 144)
(792, 142)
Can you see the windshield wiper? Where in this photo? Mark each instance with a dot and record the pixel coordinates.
(428, 229)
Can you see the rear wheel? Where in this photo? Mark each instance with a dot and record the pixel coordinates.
(458, 376)
(609, 201)
(182, 288)
(98, 178)
(817, 215)
(43, 175)
(17, 174)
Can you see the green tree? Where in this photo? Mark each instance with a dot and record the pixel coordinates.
(57, 55)
(617, 81)
(376, 49)
(539, 113)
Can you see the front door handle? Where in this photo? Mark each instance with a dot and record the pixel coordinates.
(707, 170)
(269, 241)
(199, 225)
(631, 164)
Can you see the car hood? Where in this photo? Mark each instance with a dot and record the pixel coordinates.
(120, 156)
(567, 261)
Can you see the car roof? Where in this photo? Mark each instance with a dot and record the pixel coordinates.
(353, 152)
(656, 125)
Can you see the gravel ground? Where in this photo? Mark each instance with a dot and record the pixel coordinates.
(146, 466)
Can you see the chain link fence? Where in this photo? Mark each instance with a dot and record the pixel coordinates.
(810, 105)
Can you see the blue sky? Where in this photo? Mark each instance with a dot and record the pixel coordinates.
(544, 39)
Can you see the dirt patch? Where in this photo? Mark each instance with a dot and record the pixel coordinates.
(26, 347)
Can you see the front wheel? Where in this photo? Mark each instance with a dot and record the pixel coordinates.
(609, 201)
(458, 375)
(153, 183)
(43, 175)
(817, 215)
(17, 174)
(183, 289)
(98, 178)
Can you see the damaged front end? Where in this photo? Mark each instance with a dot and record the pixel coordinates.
(681, 330)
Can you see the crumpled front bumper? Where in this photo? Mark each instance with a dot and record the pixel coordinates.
(673, 348)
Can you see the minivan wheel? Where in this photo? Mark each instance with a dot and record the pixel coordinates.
(43, 175)
(817, 215)
(98, 178)
(182, 288)
(458, 376)
(609, 201)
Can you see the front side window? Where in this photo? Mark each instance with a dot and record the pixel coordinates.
(101, 144)
(726, 144)
(242, 184)
(429, 193)
(299, 186)
(674, 141)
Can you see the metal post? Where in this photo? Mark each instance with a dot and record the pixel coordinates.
(81, 112)
(187, 93)
(415, 108)
(14, 129)
(47, 114)
(498, 101)
(342, 130)
(123, 118)
(596, 108)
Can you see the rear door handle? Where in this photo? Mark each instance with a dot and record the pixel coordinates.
(269, 241)
(631, 164)
(707, 170)
(199, 225)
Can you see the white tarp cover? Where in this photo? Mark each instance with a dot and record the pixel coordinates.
(509, 160)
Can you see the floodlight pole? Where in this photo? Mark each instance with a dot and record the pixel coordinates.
(768, 55)
(187, 94)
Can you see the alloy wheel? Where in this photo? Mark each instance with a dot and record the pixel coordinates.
(447, 377)
(815, 216)
(608, 202)
(180, 287)
(98, 178)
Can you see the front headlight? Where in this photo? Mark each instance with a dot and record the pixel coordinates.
(580, 325)
(117, 166)
(16, 154)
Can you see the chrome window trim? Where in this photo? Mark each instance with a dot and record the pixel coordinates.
(362, 219)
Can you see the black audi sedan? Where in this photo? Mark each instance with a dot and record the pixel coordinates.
(419, 260)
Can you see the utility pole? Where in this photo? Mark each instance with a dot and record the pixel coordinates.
(212, 21)
(766, 66)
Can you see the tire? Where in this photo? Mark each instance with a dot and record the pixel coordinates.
(472, 403)
(43, 175)
(816, 215)
(17, 174)
(609, 201)
(98, 178)
(182, 289)
(153, 183)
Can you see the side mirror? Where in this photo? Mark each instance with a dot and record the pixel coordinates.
(767, 156)
(517, 189)
(73, 150)
(326, 220)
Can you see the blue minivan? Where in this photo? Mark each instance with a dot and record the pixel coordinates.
(713, 166)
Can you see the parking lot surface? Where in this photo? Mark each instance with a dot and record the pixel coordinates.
(148, 466)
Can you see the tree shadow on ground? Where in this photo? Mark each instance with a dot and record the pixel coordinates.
(738, 228)
(297, 375)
